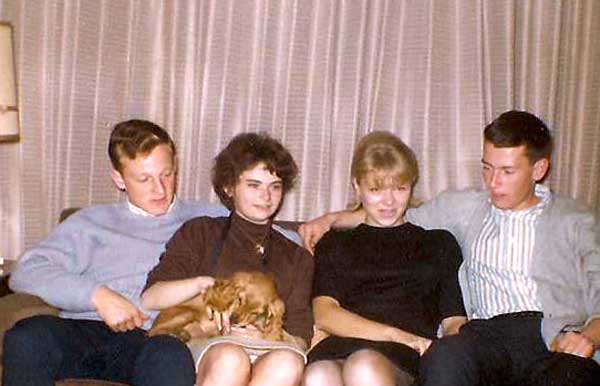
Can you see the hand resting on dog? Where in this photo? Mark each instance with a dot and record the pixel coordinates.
(246, 304)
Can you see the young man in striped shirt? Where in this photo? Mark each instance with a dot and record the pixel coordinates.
(531, 274)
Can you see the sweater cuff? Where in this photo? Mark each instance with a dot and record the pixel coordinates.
(87, 294)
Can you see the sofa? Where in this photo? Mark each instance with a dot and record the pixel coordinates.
(15, 307)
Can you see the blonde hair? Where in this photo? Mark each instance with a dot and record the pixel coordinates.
(380, 157)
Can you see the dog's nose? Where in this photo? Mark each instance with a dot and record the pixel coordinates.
(234, 319)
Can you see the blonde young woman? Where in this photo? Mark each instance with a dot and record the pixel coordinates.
(383, 290)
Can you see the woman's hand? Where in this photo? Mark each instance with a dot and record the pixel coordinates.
(416, 342)
(318, 335)
(420, 344)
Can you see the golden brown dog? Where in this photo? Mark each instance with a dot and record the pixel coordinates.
(246, 298)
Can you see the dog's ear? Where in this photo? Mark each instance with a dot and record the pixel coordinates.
(222, 294)
(216, 290)
(276, 310)
(274, 324)
(220, 285)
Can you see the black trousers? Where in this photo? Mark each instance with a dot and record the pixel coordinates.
(42, 349)
(504, 350)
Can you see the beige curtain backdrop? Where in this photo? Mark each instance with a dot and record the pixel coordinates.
(315, 74)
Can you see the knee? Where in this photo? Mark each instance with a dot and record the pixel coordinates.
(322, 373)
(450, 361)
(590, 373)
(163, 360)
(566, 369)
(283, 367)
(444, 352)
(368, 367)
(30, 338)
(164, 350)
(225, 360)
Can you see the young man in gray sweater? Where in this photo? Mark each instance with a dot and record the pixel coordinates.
(531, 272)
(93, 267)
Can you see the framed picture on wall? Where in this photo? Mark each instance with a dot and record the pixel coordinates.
(9, 110)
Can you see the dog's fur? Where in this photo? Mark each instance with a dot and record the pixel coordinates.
(247, 298)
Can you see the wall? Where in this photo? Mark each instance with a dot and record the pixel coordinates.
(11, 235)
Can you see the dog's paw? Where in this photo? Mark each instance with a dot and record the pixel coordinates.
(182, 335)
(155, 331)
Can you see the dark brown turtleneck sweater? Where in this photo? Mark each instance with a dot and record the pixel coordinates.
(189, 253)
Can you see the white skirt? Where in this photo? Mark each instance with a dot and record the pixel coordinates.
(254, 347)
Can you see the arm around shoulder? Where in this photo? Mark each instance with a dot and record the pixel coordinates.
(313, 230)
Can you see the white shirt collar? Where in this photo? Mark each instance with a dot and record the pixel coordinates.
(141, 212)
(541, 191)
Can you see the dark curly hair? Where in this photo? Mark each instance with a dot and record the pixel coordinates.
(243, 153)
(135, 137)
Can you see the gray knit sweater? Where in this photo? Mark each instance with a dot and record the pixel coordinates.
(105, 244)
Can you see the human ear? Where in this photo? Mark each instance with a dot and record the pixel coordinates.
(175, 165)
(355, 185)
(117, 178)
(228, 191)
(540, 168)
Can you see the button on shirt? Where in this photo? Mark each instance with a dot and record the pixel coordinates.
(499, 272)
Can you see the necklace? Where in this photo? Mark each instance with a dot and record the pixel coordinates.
(261, 247)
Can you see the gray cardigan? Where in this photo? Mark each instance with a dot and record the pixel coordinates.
(566, 254)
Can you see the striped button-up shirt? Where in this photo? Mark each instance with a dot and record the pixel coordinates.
(499, 272)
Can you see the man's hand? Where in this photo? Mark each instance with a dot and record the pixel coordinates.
(574, 343)
(312, 231)
(452, 324)
(118, 313)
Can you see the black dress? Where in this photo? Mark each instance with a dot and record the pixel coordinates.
(403, 276)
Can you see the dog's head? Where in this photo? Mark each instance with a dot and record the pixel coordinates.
(258, 303)
(223, 297)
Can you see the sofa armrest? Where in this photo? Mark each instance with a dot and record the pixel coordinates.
(15, 307)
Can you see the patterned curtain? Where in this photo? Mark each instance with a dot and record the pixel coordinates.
(315, 74)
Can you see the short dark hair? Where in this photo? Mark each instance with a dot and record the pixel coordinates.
(135, 137)
(243, 153)
(515, 128)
